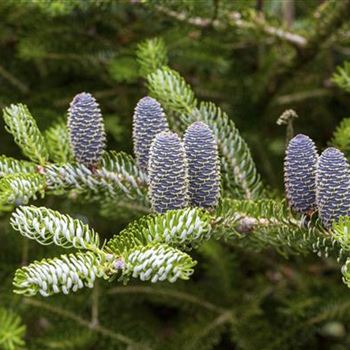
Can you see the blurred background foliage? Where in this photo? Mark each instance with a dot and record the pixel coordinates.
(255, 59)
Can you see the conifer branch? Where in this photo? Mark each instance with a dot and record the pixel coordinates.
(157, 262)
(22, 87)
(337, 15)
(21, 124)
(125, 167)
(12, 330)
(235, 19)
(182, 228)
(151, 55)
(269, 223)
(225, 317)
(345, 270)
(170, 294)
(176, 95)
(341, 136)
(69, 273)
(117, 175)
(239, 169)
(20, 188)
(47, 226)
(340, 232)
(57, 141)
(82, 322)
(59, 275)
(342, 77)
(172, 90)
(9, 166)
(144, 260)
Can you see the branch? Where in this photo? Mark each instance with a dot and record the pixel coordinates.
(97, 328)
(259, 23)
(13, 80)
(225, 317)
(300, 59)
(307, 48)
(302, 95)
(170, 293)
(235, 20)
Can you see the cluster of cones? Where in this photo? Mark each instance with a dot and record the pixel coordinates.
(317, 183)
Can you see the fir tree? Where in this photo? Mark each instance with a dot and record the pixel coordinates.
(186, 277)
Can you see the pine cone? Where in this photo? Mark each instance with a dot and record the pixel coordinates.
(300, 174)
(167, 170)
(333, 186)
(86, 129)
(149, 120)
(203, 165)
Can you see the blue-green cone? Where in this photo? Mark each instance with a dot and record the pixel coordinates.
(86, 130)
(203, 166)
(149, 120)
(300, 166)
(333, 186)
(167, 171)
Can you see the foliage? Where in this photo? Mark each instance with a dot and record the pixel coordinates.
(152, 54)
(248, 272)
(22, 126)
(341, 77)
(172, 90)
(57, 141)
(341, 137)
(12, 330)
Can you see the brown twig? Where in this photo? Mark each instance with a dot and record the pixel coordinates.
(288, 69)
(13, 80)
(302, 96)
(173, 294)
(235, 20)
